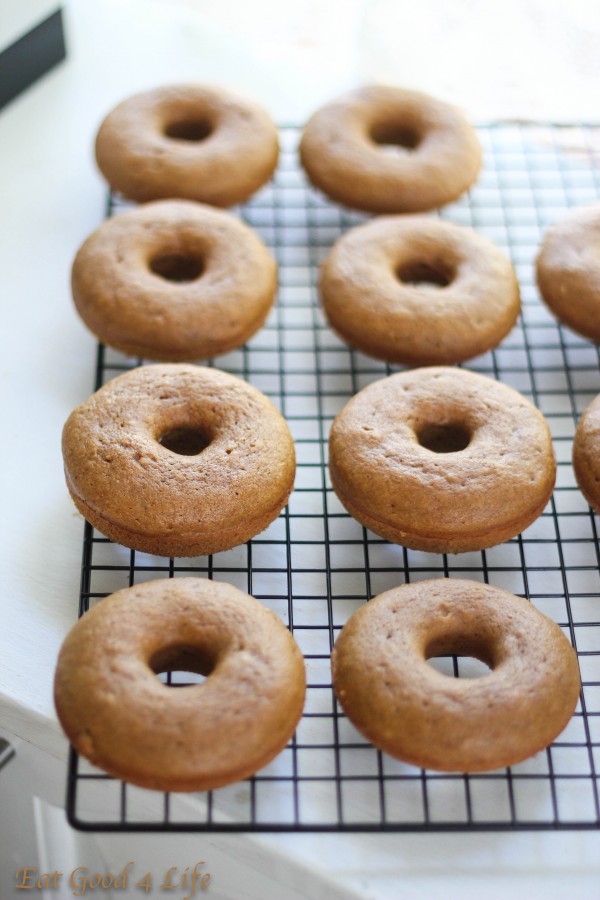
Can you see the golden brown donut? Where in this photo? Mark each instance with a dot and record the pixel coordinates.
(174, 280)
(442, 459)
(373, 295)
(343, 150)
(178, 460)
(568, 270)
(117, 713)
(190, 141)
(411, 711)
(586, 454)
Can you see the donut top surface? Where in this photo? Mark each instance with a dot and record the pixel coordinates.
(445, 452)
(192, 141)
(343, 150)
(232, 450)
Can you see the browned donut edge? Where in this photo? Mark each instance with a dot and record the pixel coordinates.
(173, 784)
(429, 761)
(104, 333)
(406, 358)
(415, 540)
(173, 544)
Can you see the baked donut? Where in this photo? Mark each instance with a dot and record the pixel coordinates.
(117, 713)
(411, 711)
(190, 141)
(174, 280)
(418, 290)
(586, 454)
(178, 460)
(343, 150)
(568, 270)
(442, 459)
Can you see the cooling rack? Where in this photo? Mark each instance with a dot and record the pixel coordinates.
(314, 566)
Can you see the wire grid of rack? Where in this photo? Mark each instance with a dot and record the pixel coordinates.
(314, 566)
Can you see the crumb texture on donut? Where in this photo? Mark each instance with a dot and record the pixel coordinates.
(118, 714)
(442, 459)
(421, 716)
(178, 460)
(195, 142)
(568, 270)
(174, 281)
(345, 150)
(464, 302)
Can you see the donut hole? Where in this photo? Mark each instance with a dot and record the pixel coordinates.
(395, 138)
(182, 665)
(186, 441)
(424, 274)
(177, 266)
(459, 656)
(450, 438)
(193, 130)
(459, 666)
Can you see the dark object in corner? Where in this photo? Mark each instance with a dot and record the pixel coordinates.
(31, 56)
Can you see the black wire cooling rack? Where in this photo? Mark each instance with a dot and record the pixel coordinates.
(315, 565)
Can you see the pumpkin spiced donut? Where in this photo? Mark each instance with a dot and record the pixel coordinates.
(421, 716)
(442, 459)
(121, 717)
(568, 270)
(174, 280)
(418, 290)
(345, 150)
(191, 141)
(178, 460)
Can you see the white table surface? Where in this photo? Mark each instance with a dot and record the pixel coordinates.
(52, 197)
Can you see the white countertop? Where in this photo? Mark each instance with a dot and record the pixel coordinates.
(52, 197)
